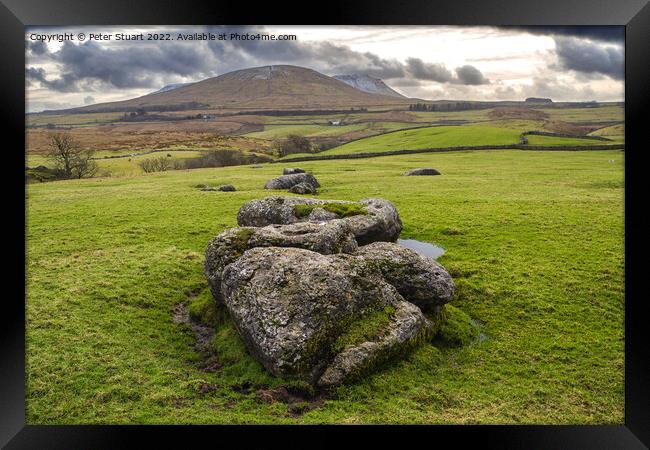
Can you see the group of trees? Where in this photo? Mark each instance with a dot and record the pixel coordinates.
(292, 144)
(213, 158)
(70, 160)
(300, 144)
(223, 158)
(450, 106)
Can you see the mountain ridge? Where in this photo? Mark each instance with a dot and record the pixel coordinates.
(264, 87)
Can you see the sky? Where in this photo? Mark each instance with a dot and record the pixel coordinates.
(432, 62)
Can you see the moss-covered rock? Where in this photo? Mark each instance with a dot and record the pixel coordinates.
(317, 318)
(419, 279)
(327, 238)
(371, 219)
(367, 328)
(383, 336)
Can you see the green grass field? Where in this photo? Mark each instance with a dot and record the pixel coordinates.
(614, 132)
(534, 241)
(127, 166)
(443, 136)
(601, 113)
(314, 130)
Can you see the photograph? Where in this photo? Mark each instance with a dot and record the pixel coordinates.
(324, 225)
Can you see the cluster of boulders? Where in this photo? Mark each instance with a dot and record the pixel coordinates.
(295, 180)
(319, 290)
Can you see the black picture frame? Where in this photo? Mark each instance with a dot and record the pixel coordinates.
(633, 14)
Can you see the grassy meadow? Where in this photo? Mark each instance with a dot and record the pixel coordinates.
(419, 138)
(534, 242)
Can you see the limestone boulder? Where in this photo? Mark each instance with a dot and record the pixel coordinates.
(225, 248)
(296, 309)
(289, 181)
(419, 279)
(377, 219)
(303, 188)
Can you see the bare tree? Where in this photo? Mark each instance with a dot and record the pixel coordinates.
(70, 160)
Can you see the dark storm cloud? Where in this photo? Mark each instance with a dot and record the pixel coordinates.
(37, 47)
(424, 71)
(92, 66)
(588, 50)
(590, 58)
(612, 34)
(470, 75)
(467, 75)
(134, 66)
(323, 56)
(34, 74)
(122, 66)
(126, 65)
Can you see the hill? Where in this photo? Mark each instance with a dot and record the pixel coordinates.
(268, 87)
(369, 84)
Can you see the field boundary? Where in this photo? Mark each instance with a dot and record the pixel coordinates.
(455, 149)
(564, 135)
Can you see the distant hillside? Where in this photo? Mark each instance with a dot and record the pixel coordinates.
(171, 87)
(268, 87)
(369, 84)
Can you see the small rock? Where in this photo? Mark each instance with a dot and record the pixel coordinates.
(303, 188)
(290, 171)
(288, 181)
(227, 188)
(208, 188)
(426, 171)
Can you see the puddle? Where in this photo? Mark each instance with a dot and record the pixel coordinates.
(423, 248)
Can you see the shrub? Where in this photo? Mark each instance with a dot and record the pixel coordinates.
(157, 164)
(223, 158)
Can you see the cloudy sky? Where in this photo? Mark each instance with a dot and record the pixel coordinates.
(457, 63)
